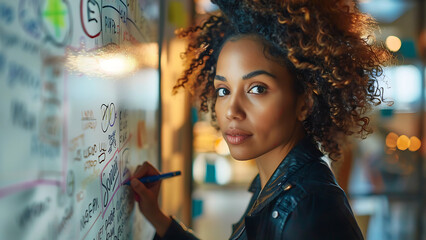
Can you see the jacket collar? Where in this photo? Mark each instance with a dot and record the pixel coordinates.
(304, 152)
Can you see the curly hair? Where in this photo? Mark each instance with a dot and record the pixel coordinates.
(327, 45)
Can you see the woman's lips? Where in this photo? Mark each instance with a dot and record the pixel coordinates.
(236, 136)
(236, 139)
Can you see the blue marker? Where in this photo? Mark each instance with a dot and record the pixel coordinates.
(155, 178)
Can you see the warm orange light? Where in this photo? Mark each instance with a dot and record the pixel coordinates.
(141, 136)
(221, 147)
(391, 139)
(403, 142)
(393, 43)
(415, 144)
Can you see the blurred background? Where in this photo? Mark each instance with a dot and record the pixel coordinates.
(383, 175)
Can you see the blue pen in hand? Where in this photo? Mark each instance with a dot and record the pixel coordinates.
(154, 178)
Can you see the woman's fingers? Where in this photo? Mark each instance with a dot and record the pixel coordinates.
(139, 188)
(146, 194)
(145, 170)
(138, 168)
(144, 190)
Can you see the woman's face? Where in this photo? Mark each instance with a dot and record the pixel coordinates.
(257, 109)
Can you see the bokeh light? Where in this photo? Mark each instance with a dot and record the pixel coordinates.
(222, 169)
(117, 64)
(403, 142)
(221, 147)
(415, 144)
(391, 140)
(393, 43)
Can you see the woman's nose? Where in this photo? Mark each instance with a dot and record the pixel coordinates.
(235, 109)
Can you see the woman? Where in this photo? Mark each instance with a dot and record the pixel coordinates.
(282, 79)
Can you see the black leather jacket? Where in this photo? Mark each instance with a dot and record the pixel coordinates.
(301, 200)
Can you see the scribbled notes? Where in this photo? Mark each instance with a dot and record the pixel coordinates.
(29, 19)
(7, 15)
(102, 154)
(68, 213)
(50, 114)
(20, 75)
(110, 182)
(21, 116)
(110, 25)
(124, 162)
(88, 120)
(33, 211)
(124, 130)
(91, 210)
(112, 142)
(71, 144)
(109, 115)
(90, 11)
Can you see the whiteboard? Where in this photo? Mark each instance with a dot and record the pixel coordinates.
(71, 136)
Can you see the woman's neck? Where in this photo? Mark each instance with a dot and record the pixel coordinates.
(268, 162)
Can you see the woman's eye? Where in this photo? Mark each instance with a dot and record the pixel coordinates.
(257, 89)
(222, 92)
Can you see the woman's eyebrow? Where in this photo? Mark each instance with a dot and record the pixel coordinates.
(248, 75)
(220, 78)
(256, 73)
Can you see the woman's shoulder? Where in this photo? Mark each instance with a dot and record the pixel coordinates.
(321, 215)
(313, 187)
(316, 206)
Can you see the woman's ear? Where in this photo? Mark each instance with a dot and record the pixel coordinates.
(304, 106)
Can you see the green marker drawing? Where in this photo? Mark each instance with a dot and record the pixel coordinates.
(55, 12)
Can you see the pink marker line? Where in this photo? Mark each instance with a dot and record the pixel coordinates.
(30, 184)
(26, 185)
(110, 200)
(85, 235)
(126, 180)
(118, 150)
(118, 187)
(103, 169)
(125, 143)
(65, 134)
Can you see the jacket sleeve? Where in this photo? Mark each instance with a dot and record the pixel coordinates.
(176, 231)
(325, 215)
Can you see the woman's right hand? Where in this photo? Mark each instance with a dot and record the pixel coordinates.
(147, 197)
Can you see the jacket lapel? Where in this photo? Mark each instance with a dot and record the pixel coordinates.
(303, 153)
(255, 189)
